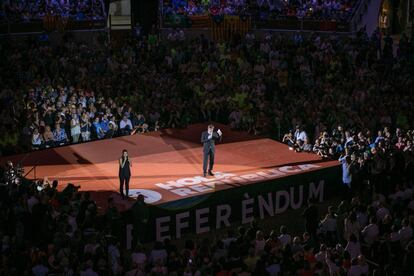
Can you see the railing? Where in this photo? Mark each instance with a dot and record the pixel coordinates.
(33, 169)
(34, 175)
(50, 24)
(284, 23)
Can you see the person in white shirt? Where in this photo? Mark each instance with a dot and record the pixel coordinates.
(382, 212)
(138, 257)
(75, 129)
(406, 232)
(371, 232)
(320, 256)
(158, 254)
(351, 226)
(332, 266)
(329, 225)
(259, 243)
(300, 134)
(301, 139)
(353, 247)
(125, 125)
(284, 237)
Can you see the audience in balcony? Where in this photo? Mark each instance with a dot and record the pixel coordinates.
(338, 10)
(27, 11)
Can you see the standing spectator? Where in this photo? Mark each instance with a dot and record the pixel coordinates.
(311, 216)
(370, 232)
(352, 226)
(85, 127)
(284, 237)
(353, 247)
(75, 129)
(346, 171)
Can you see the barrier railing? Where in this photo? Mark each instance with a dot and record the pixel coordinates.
(285, 23)
(51, 23)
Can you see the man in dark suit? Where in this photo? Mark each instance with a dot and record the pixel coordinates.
(208, 139)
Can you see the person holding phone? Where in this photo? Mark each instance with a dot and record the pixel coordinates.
(124, 173)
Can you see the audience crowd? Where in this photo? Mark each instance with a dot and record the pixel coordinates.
(46, 232)
(26, 10)
(349, 95)
(73, 92)
(338, 10)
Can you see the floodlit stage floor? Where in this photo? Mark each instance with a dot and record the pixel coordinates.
(167, 165)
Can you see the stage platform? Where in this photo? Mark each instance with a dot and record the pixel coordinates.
(167, 164)
(167, 167)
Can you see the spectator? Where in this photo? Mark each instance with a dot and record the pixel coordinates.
(75, 129)
(37, 139)
(59, 135)
(125, 126)
(85, 127)
(98, 128)
(311, 216)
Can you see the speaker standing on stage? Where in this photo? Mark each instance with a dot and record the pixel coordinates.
(124, 173)
(208, 139)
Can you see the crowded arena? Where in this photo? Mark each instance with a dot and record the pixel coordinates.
(305, 164)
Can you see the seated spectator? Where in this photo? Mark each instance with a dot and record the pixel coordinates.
(110, 132)
(125, 126)
(59, 135)
(289, 139)
(37, 139)
(98, 128)
(139, 124)
(301, 138)
(48, 137)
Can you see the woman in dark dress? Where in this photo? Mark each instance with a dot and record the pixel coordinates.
(124, 173)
